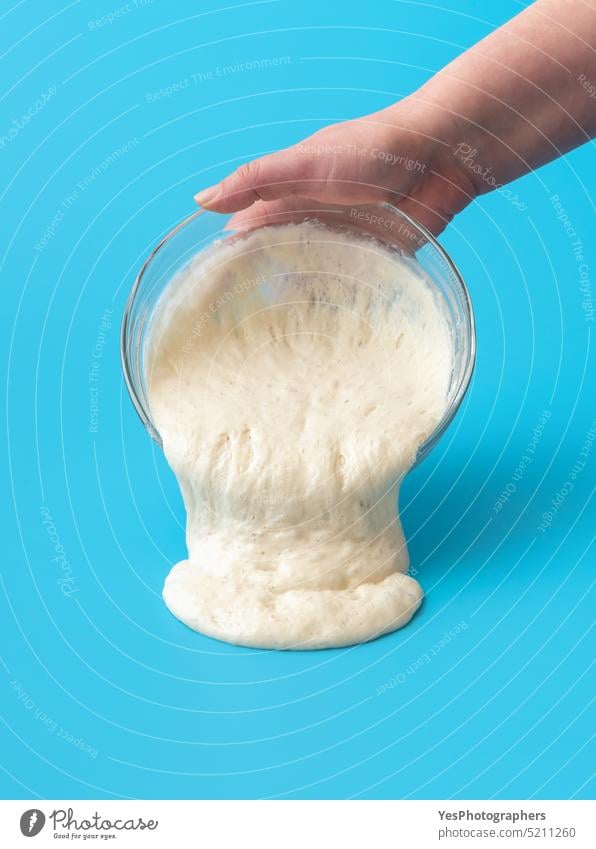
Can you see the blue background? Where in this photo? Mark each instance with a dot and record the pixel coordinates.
(487, 693)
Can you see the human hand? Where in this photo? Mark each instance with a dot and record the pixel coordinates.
(517, 99)
(396, 155)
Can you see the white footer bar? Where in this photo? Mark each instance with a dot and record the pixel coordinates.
(299, 824)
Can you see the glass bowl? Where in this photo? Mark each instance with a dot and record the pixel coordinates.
(393, 228)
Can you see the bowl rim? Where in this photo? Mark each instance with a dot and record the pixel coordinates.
(451, 408)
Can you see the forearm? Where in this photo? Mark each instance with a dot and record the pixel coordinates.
(519, 98)
(522, 96)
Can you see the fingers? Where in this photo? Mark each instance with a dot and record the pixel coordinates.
(269, 178)
(235, 192)
(300, 171)
(283, 211)
(272, 212)
(430, 218)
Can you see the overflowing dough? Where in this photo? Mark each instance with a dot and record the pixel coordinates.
(292, 375)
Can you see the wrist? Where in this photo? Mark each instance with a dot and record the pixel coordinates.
(447, 142)
(461, 120)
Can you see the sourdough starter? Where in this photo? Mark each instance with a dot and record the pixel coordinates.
(292, 375)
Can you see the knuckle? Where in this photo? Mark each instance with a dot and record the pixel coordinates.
(249, 173)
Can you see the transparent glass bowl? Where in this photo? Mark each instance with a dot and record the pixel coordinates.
(384, 222)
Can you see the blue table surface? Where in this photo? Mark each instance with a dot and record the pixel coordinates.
(487, 693)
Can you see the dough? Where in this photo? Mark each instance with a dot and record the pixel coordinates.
(292, 374)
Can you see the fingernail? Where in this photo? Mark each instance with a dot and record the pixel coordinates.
(207, 195)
